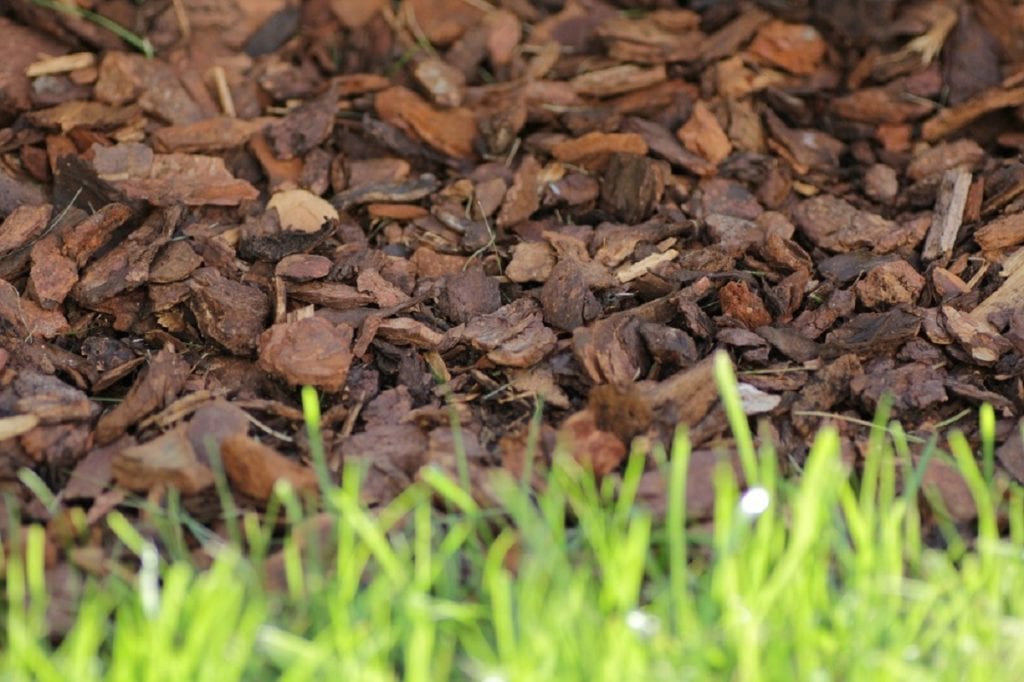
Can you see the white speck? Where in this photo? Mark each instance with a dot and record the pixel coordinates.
(642, 623)
(149, 581)
(492, 677)
(755, 501)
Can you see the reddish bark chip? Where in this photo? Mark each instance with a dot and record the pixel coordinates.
(253, 468)
(890, 283)
(593, 448)
(742, 304)
(593, 150)
(52, 274)
(309, 351)
(523, 197)
(450, 131)
(169, 179)
(797, 48)
(303, 267)
(703, 135)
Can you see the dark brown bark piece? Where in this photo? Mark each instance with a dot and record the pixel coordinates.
(384, 293)
(309, 351)
(829, 386)
(790, 343)
(942, 157)
(913, 386)
(468, 294)
(93, 473)
(632, 186)
(21, 46)
(75, 114)
(881, 105)
(668, 345)
(663, 144)
(126, 266)
(175, 262)
(305, 127)
(403, 446)
(513, 335)
(155, 388)
(230, 313)
(1001, 233)
(566, 299)
(876, 332)
(956, 117)
(810, 149)
(391, 192)
(265, 240)
(16, 192)
(18, 231)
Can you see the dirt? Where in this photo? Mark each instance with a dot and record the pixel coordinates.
(427, 209)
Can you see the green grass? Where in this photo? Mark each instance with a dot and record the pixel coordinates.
(821, 577)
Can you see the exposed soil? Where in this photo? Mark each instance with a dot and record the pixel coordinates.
(435, 205)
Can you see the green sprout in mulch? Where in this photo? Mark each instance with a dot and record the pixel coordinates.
(826, 576)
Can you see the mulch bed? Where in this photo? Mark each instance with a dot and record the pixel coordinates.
(434, 205)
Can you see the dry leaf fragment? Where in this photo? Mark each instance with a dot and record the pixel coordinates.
(301, 210)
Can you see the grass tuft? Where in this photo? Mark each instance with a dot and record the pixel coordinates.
(823, 577)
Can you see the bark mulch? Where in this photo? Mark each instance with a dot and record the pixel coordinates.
(428, 205)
